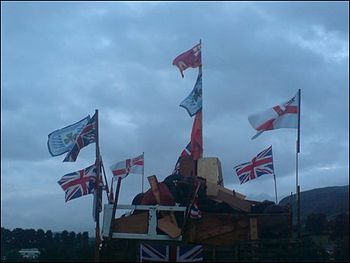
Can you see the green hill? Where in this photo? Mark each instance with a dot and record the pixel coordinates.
(330, 201)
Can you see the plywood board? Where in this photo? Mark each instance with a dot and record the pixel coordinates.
(233, 201)
(167, 225)
(210, 169)
(136, 223)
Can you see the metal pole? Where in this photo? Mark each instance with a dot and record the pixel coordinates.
(143, 170)
(297, 167)
(200, 72)
(274, 177)
(104, 175)
(299, 224)
(97, 212)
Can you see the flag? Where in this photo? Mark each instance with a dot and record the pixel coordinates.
(191, 58)
(284, 115)
(79, 183)
(85, 137)
(97, 200)
(163, 253)
(258, 166)
(195, 213)
(129, 166)
(62, 140)
(185, 152)
(193, 102)
(196, 137)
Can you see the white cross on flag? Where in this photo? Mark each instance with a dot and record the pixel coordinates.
(128, 166)
(284, 115)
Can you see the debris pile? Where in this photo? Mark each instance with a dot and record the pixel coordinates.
(212, 210)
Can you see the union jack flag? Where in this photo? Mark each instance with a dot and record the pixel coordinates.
(86, 136)
(258, 166)
(79, 183)
(166, 253)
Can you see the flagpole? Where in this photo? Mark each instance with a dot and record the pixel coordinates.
(297, 167)
(104, 175)
(143, 170)
(115, 206)
(200, 72)
(274, 177)
(97, 212)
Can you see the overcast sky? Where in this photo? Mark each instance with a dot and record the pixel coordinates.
(60, 61)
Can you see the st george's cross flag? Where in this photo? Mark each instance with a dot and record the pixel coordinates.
(258, 166)
(79, 183)
(191, 58)
(284, 115)
(129, 166)
(193, 102)
(85, 137)
(62, 140)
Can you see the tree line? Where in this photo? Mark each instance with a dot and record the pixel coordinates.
(323, 239)
(58, 246)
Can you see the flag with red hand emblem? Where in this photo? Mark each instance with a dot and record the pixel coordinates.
(128, 166)
(284, 115)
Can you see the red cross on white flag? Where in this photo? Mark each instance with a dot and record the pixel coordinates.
(284, 115)
(128, 166)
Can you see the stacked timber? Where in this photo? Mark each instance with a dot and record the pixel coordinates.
(227, 216)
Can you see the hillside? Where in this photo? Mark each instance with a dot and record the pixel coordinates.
(328, 200)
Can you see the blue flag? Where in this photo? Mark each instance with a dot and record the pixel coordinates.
(193, 102)
(63, 140)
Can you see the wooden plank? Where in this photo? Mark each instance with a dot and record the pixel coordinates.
(253, 228)
(233, 201)
(214, 231)
(218, 229)
(210, 169)
(167, 225)
(136, 223)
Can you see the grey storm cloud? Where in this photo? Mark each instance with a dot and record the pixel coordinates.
(61, 61)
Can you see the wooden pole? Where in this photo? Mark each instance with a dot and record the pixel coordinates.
(115, 206)
(97, 210)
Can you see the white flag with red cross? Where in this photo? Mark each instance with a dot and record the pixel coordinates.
(284, 115)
